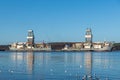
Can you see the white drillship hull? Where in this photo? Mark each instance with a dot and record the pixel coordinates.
(89, 49)
(103, 49)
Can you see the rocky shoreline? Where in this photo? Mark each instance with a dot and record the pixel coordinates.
(116, 46)
(4, 47)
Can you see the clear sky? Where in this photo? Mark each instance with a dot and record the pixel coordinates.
(59, 20)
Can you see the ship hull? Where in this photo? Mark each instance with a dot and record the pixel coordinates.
(32, 49)
(90, 49)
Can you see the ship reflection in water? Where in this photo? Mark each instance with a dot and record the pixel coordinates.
(59, 65)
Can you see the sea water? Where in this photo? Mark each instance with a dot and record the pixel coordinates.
(60, 65)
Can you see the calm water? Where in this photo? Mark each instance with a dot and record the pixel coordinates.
(59, 65)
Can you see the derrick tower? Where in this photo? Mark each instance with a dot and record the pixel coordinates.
(30, 39)
(88, 35)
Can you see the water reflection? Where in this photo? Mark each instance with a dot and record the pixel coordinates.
(30, 62)
(88, 64)
(57, 66)
(22, 62)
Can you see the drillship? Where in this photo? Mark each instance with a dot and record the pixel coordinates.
(89, 45)
(30, 45)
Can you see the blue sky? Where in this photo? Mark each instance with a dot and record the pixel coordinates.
(59, 20)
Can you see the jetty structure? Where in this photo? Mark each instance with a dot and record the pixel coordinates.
(88, 45)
